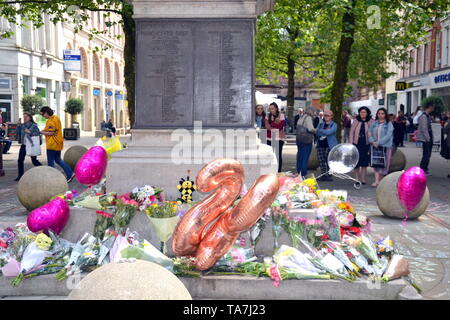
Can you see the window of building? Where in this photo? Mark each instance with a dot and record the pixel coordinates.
(426, 57)
(437, 60)
(412, 62)
(116, 74)
(445, 46)
(26, 84)
(96, 75)
(419, 59)
(107, 69)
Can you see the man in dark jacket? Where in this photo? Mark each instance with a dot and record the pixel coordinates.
(425, 135)
(3, 139)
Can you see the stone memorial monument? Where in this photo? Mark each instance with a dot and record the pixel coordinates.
(194, 93)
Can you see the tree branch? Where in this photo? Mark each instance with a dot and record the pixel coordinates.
(46, 2)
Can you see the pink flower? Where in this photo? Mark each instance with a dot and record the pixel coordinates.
(151, 198)
(275, 275)
(242, 242)
(237, 256)
(69, 196)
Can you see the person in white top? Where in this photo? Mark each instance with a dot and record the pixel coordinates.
(417, 116)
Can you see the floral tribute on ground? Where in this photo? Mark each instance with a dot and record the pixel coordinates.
(333, 243)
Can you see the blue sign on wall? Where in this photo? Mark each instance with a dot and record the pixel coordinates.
(109, 93)
(442, 78)
(96, 92)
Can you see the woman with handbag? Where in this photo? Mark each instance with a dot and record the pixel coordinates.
(275, 120)
(326, 140)
(380, 137)
(30, 143)
(359, 137)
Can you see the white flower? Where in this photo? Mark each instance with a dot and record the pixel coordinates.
(135, 190)
(362, 220)
(149, 190)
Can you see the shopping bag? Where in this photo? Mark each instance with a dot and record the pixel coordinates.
(378, 157)
(33, 147)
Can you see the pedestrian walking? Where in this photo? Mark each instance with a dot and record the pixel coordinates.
(304, 138)
(110, 126)
(346, 124)
(359, 136)
(425, 135)
(29, 138)
(260, 116)
(54, 142)
(4, 139)
(326, 140)
(298, 116)
(399, 129)
(447, 132)
(381, 138)
(416, 116)
(275, 120)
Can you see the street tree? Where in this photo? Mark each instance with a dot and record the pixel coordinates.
(350, 40)
(285, 45)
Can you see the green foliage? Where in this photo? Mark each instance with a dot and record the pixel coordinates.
(438, 104)
(325, 93)
(32, 103)
(74, 106)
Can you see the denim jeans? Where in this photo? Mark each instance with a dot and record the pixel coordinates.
(427, 147)
(21, 159)
(303, 153)
(55, 156)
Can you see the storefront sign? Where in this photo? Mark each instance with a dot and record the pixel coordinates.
(119, 95)
(442, 78)
(66, 86)
(400, 86)
(5, 83)
(72, 60)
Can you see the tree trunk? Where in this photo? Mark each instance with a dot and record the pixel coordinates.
(343, 57)
(291, 89)
(129, 29)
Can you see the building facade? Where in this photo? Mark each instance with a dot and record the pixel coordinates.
(427, 73)
(32, 62)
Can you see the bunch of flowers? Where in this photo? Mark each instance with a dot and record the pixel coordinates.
(146, 196)
(350, 221)
(83, 257)
(126, 208)
(166, 209)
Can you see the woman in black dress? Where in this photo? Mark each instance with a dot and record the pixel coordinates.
(359, 137)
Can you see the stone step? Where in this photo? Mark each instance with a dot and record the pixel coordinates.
(232, 287)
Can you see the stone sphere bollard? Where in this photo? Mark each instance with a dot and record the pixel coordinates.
(139, 280)
(390, 205)
(313, 162)
(38, 185)
(73, 154)
(398, 161)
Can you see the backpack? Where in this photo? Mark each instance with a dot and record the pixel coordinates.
(302, 134)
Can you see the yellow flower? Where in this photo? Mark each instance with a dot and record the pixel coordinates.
(310, 182)
(288, 252)
(43, 242)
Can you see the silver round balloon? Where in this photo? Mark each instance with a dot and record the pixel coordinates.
(343, 158)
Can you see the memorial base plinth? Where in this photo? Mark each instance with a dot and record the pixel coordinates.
(237, 287)
(161, 158)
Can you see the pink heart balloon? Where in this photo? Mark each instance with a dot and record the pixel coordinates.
(91, 167)
(411, 187)
(51, 216)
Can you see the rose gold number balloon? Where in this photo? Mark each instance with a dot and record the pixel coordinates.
(226, 177)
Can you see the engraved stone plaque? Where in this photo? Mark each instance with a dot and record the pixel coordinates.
(194, 70)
